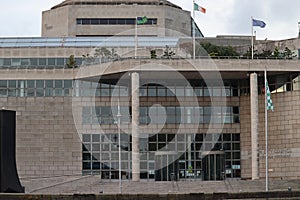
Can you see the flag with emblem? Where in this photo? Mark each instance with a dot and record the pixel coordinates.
(142, 20)
(268, 98)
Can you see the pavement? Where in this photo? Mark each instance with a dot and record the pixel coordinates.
(92, 184)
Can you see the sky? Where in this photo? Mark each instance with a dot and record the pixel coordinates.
(22, 18)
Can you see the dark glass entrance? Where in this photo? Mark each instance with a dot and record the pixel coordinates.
(166, 166)
(213, 165)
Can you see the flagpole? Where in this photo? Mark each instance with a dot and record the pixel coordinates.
(252, 42)
(193, 30)
(136, 37)
(266, 130)
(119, 134)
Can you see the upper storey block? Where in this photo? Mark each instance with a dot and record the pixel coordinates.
(116, 17)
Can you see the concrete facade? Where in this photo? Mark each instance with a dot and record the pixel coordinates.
(171, 19)
(49, 140)
(283, 134)
(65, 114)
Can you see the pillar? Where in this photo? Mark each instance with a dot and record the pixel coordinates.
(135, 126)
(254, 125)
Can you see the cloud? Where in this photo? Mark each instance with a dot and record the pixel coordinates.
(230, 17)
(233, 17)
(26, 20)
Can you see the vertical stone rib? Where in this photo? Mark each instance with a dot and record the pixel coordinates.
(254, 126)
(135, 126)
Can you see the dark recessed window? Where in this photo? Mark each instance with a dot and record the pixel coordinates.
(103, 21)
(78, 21)
(112, 21)
(86, 21)
(95, 21)
(121, 21)
(130, 21)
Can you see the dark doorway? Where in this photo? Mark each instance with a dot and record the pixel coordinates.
(213, 165)
(166, 166)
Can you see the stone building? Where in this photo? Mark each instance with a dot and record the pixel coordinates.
(81, 101)
(118, 17)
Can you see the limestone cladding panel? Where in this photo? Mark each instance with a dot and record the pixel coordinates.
(55, 22)
(61, 22)
(177, 21)
(283, 136)
(47, 143)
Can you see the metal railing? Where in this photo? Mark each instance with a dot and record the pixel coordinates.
(100, 60)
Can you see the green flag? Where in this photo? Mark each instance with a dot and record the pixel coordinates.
(142, 20)
(268, 98)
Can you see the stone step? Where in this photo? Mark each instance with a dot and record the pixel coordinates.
(93, 184)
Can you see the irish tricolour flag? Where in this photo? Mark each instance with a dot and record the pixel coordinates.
(199, 8)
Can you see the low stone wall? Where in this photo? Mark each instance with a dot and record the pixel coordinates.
(193, 196)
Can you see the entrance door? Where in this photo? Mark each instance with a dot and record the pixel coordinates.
(166, 166)
(213, 165)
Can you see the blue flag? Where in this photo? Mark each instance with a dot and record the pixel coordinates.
(259, 23)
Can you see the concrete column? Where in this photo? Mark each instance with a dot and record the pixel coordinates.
(254, 125)
(135, 82)
(189, 150)
(76, 86)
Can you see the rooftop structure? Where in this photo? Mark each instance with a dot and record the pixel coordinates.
(87, 18)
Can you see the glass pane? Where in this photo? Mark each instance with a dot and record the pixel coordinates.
(180, 91)
(161, 91)
(217, 92)
(12, 92)
(7, 62)
(39, 83)
(67, 83)
(3, 92)
(12, 84)
(3, 84)
(51, 61)
(30, 92)
(49, 83)
(25, 61)
(86, 137)
(30, 84)
(33, 61)
(39, 92)
(42, 61)
(95, 138)
(16, 62)
(95, 21)
(58, 84)
(198, 91)
(60, 61)
(152, 91)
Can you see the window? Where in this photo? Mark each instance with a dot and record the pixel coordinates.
(95, 21)
(42, 61)
(16, 62)
(51, 61)
(7, 62)
(112, 21)
(33, 61)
